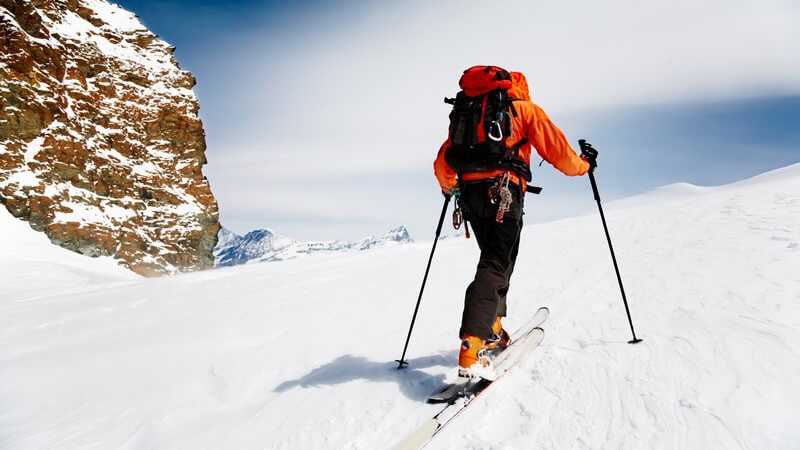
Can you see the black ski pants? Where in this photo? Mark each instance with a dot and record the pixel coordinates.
(499, 244)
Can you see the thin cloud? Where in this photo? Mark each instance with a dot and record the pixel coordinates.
(362, 93)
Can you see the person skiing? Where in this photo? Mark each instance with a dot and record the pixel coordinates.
(485, 164)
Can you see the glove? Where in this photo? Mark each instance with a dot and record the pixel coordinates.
(592, 161)
(588, 153)
(451, 192)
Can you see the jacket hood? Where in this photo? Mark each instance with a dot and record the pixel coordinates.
(519, 86)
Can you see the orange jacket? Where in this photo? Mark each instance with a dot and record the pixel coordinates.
(532, 123)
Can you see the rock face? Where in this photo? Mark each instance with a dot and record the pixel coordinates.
(101, 146)
(265, 245)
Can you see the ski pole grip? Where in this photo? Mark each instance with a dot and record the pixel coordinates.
(585, 146)
(588, 152)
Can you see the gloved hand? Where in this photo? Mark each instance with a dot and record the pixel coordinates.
(588, 153)
(591, 160)
(451, 192)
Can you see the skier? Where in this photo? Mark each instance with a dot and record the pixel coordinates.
(485, 164)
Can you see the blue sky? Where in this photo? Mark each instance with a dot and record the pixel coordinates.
(323, 118)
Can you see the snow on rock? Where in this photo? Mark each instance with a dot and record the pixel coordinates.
(266, 245)
(101, 147)
(300, 354)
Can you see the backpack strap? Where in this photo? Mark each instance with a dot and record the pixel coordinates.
(515, 163)
(515, 148)
(461, 128)
(511, 101)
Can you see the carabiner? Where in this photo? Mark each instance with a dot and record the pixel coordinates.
(458, 218)
(499, 137)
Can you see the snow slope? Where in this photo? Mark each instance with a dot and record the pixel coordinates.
(30, 263)
(298, 354)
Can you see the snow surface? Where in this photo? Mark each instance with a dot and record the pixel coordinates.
(32, 266)
(299, 354)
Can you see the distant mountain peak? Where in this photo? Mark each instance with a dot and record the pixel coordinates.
(400, 234)
(266, 245)
(259, 234)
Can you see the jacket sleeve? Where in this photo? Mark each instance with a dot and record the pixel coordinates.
(444, 173)
(552, 146)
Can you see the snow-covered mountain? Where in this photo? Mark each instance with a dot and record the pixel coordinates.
(101, 146)
(266, 245)
(300, 354)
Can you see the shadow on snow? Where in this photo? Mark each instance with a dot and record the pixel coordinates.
(413, 382)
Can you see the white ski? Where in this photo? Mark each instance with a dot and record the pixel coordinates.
(527, 338)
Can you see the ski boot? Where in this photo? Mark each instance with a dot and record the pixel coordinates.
(474, 366)
(499, 339)
(473, 360)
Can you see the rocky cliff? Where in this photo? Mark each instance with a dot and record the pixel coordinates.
(101, 146)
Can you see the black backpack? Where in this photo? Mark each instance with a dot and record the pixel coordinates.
(481, 124)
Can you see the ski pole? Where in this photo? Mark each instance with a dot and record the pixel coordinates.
(402, 362)
(591, 155)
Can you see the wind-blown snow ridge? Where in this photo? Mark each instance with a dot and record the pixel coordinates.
(266, 245)
(683, 191)
(300, 354)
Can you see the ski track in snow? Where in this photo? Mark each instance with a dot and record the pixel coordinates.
(299, 354)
